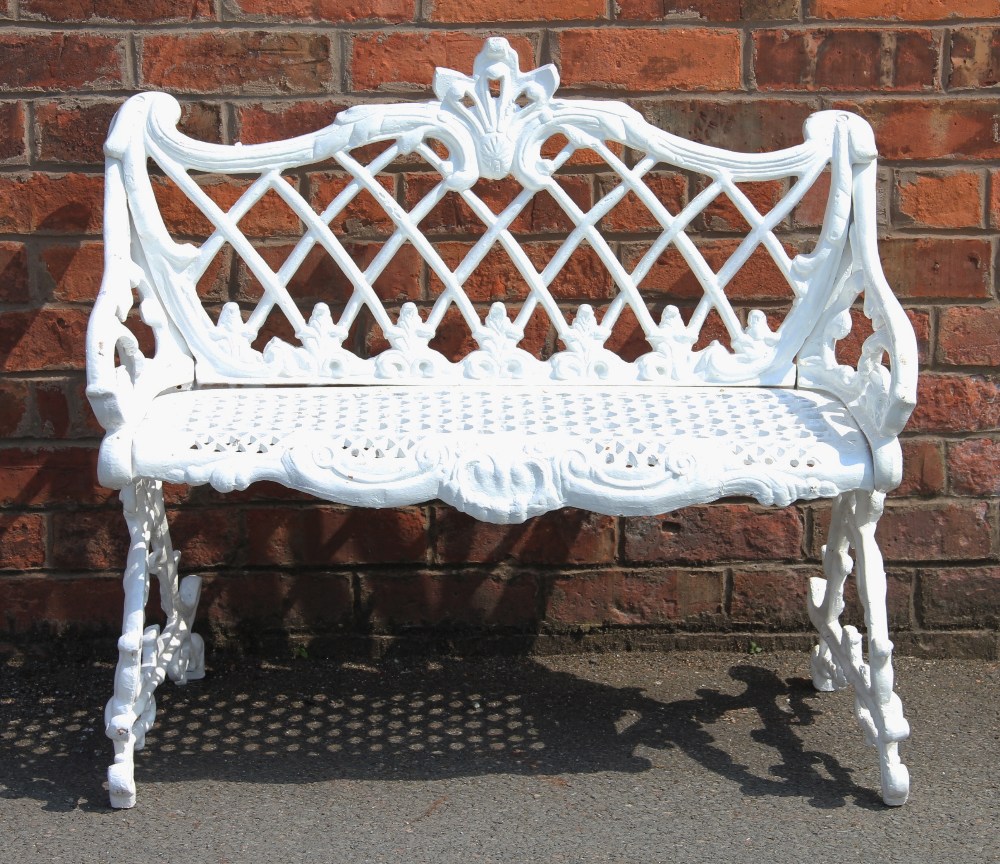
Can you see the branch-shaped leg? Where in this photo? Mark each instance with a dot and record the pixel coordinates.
(145, 654)
(838, 660)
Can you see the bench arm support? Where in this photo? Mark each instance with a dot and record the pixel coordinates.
(121, 380)
(881, 395)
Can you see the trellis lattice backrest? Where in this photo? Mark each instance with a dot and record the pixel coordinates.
(497, 125)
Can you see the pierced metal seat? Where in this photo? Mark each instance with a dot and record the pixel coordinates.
(358, 353)
(627, 450)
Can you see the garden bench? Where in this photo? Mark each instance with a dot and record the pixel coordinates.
(651, 401)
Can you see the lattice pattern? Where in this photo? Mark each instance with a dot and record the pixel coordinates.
(468, 135)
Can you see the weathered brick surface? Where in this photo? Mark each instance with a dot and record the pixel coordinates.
(974, 467)
(564, 537)
(669, 597)
(904, 10)
(114, 11)
(487, 11)
(969, 336)
(238, 62)
(22, 541)
(936, 200)
(845, 59)
(407, 60)
(60, 61)
(333, 11)
(960, 597)
(723, 532)
(738, 74)
(696, 59)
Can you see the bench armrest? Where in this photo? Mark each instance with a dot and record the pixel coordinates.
(880, 395)
(121, 380)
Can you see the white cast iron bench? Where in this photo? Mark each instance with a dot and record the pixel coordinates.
(501, 432)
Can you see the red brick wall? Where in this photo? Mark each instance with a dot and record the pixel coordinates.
(737, 73)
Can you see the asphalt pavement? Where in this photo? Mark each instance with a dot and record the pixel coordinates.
(628, 757)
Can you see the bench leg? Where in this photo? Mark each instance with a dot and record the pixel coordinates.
(838, 660)
(145, 654)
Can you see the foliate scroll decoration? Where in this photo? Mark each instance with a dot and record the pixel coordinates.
(497, 121)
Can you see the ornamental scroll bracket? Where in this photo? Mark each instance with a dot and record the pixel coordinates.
(497, 102)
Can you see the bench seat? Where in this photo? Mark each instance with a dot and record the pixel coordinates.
(506, 453)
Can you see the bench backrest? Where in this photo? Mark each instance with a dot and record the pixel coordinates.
(348, 277)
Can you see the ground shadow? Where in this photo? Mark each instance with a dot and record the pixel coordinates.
(310, 721)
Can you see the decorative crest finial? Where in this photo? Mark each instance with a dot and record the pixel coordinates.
(496, 101)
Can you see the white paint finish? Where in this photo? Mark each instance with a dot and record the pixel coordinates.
(499, 433)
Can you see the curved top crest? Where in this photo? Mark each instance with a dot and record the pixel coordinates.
(496, 118)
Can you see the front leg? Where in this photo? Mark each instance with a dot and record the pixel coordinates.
(839, 659)
(145, 655)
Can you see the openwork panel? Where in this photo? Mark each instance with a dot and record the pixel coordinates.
(497, 233)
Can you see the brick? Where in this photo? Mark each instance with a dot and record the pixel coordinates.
(974, 467)
(13, 148)
(994, 204)
(722, 214)
(935, 531)
(630, 214)
(43, 339)
(269, 217)
(542, 213)
(651, 60)
(634, 598)
(44, 605)
(73, 273)
(583, 277)
(68, 203)
(74, 130)
(966, 597)
(938, 268)
(325, 535)
(235, 602)
(969, 336)
(956, 403)
(975, 58)
(238, 63)
(270, 121)
(337, 11)
(845, 59)
(564, 537)
(727, 532)
(22, 541)
(363, 216)
(89, 540)
(707, 10)
(116, 11)
(961, 129)
(489, 11)
(15, 408)
(923, 468)
(848, 350)
(61, 61)
(748, 126)
(775, 598)
(393, 61)
(671, 279)
(904, 10)
(54, 412)
(393, 602)
(455, 341)
(940, 200)
(31, 477)
(13, 273)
